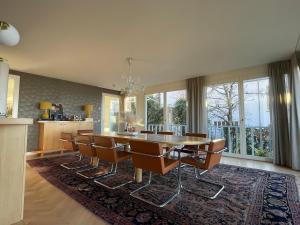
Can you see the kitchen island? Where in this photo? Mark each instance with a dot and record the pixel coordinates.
(13, 145)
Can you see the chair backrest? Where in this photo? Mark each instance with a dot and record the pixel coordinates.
(147, 132)
(84, 132)
(166, 132)
(84, 143)
(202, 135)
(196, 135)
(66, 136)
(67, 141)
(213, 158)
(147, 155)
(105, 148)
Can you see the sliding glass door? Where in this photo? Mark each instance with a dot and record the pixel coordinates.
(257, 117)
(110, 112)
(239, 112)
(223, 114)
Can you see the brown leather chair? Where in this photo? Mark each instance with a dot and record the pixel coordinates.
(165, 132)
(68, 143)
(149, 156)
(213, 158)
(147, 132)
(86, 149)
(107, 150)
(193, 149)
(81, 132)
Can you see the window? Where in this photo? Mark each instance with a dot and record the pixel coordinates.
(176, 107)
(239, 112)
(130, 105)
(167, 111)
(155, 109)
(223, 114)
(13, 96)
(257, 117)
(110, 112)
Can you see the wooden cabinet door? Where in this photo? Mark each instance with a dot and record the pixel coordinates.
(52, 135)
(69, 127)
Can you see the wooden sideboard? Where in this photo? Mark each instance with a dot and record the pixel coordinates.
(13, 140)
(50, 133)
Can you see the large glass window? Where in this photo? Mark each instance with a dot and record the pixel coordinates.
(257, 117)
(13, 96)
(239, 112)
(155, 109)
(130, 105)
(110, 113)
(223, 114)
(167, 111)
(176, 107)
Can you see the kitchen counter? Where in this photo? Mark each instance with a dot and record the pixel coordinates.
(15, 121)
(13, 141)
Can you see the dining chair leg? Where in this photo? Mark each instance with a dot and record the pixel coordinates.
(174, 195)
(74, 165)
(197, 175)
(90, 167)
(112, 172)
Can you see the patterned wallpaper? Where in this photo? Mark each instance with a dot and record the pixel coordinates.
(34, 89)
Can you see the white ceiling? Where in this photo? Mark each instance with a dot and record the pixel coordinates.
(87, 41)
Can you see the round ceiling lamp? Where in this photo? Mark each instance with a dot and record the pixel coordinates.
(8, 34)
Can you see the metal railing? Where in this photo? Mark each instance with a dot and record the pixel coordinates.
(176, 128)
(258, 139)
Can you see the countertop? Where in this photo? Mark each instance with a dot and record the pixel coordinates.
(16, 121)
(63, 121)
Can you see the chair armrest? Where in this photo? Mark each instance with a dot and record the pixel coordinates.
(98, 146)
(82, 143)
(65, 140)
(217, 152)
(149, 155)
(167, 152)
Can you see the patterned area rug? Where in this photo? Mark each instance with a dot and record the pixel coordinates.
(250, 196)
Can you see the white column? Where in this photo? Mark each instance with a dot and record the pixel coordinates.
(4, 70)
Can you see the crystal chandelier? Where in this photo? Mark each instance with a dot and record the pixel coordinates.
(132, 86)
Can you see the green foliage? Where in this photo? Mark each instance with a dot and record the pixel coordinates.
(260, 152)
(154, 110)
(133, 108)
(179, 112)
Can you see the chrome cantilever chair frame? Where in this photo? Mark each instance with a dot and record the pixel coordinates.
(174, 195)
(113, 171)
(88, 166)
(69, 166)
(198, 174)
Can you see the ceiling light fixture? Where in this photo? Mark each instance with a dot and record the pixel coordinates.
(132, 86)
(8, 34)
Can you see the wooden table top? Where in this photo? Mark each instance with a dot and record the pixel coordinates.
(163, 139)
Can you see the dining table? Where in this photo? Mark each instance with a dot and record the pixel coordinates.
(170, 141)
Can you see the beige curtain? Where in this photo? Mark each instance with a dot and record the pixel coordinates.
(196, 105)
(279, 107)
(295, 113)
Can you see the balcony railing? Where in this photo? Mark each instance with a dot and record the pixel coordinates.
(177, 129)
(258, 139)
